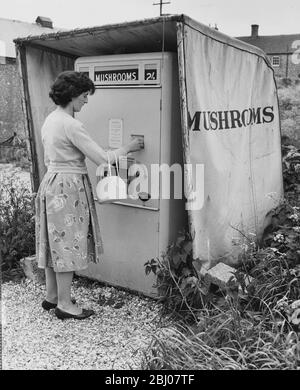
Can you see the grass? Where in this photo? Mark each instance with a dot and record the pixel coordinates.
(255, 329)
(224, 341)
(250, 331)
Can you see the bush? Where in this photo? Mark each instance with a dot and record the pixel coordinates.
(178, 284)
(17, 223)
(291, 173)
(289, 106)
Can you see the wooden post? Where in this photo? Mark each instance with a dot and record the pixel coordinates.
(184, 113)
(161, 3)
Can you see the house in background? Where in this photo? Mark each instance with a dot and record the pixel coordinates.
(282, 50)
(12, 119)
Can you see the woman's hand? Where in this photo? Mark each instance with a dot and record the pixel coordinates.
(135, 145)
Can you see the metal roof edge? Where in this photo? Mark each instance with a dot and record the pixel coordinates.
(96, 29)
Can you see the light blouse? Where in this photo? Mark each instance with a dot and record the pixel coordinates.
(67, 143)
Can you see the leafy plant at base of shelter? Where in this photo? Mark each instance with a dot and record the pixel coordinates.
(177, 281)
(258, 328)
(17, 222)
(284, 232)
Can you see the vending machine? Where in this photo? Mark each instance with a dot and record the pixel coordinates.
(136, 95)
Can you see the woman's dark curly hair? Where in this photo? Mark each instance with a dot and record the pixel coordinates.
(70, 84)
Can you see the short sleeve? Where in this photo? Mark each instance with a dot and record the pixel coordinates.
(79, 137)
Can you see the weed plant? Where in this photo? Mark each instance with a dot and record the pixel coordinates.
(17, 223)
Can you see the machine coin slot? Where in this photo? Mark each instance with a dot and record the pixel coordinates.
(140, 137)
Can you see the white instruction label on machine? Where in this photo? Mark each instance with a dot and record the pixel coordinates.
(115, 138)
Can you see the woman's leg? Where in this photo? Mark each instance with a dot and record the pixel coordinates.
(51, 285)
(64, 282)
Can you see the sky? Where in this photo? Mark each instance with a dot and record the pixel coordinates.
(233, 17)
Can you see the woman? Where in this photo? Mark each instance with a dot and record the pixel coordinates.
(67, 231)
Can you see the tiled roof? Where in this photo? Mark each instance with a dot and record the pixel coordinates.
(273, 44)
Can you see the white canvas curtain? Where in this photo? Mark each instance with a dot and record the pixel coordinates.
(42, 69)
(231, 126)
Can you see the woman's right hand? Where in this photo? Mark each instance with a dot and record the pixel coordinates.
(135, 145)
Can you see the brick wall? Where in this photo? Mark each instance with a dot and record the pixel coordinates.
(287, 67)
(11, 113)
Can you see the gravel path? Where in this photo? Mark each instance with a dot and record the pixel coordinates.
(114, 338)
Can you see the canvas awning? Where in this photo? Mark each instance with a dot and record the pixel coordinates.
(149, 35)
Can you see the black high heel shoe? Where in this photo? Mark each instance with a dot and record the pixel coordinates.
(63, 315)
(48, 305)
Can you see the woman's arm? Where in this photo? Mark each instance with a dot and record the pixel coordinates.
(82, 140)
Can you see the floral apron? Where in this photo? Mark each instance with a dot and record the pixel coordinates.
(67, 231)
